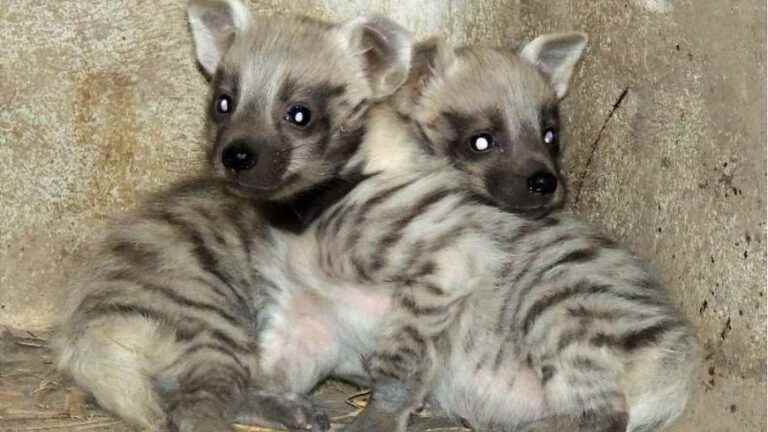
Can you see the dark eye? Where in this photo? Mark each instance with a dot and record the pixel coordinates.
(299, 115)
(550, 137)
(223, 104)
(481, 143)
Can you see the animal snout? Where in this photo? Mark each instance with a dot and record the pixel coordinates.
(239, 155)
(542, 183)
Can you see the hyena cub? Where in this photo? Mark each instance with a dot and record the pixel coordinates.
(164, 328)
(432, 254)
(500, 312)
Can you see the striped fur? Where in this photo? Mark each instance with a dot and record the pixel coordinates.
(396, 266)
(514, 320)
(173, 320)
(164, 321)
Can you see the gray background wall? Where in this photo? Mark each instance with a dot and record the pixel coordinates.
(100, 103)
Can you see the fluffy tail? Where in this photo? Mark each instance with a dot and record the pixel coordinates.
(118, 361)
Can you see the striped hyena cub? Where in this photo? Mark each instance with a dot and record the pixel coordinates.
(164, 325)
(494, 308)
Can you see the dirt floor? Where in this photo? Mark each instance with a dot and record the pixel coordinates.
(33, 397)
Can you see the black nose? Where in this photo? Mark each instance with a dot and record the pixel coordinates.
(239, 156)
(542, 183)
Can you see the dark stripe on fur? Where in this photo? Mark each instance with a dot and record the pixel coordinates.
(581, 289)
(522, 272)
(500, 356)
(104, 310)
(635, 339)
(296, 213)
(425, 203)
(414, 334)
(547, 372)
(185, 302)
(329, 218)
(603, 422)
(410, 304)
(235, 215)
(141, 256)
(206, 258)
(581, 312)
(207, 346)
(377, 199)
(187, 328)
(227, 340)
(430, 287)
(585, 364)
(399, 226)
(571, 336)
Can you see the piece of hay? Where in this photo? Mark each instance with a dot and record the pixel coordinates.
(359, 400)
(74, 402)
(246, 428)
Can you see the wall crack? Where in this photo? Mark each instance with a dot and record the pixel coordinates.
(596, 142)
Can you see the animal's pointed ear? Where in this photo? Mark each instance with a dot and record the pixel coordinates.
(385, 49)
(431, 59)
(214, 25)
(556, 55)
(432, 56)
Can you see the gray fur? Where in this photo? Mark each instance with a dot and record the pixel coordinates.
(408, 266)
(163, 322)
(507, 319)
(172, 320)
(570, 326)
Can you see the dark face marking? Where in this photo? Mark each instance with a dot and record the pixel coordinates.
(463, 128)
(225, 88)
(256, 149)
(306, 108)
(299, 115)
(550, 130)
(480, 144)
(223, 104)
(501, 127)
(303, 115)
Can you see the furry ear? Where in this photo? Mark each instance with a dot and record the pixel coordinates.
(431, 58)
(556, 55)
(214, 24)
(385, 49)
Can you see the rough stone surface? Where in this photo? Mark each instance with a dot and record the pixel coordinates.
(100, 102)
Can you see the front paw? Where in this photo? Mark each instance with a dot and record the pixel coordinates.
(372, 419)
(191, 422)
(189, 415)
(295, 412)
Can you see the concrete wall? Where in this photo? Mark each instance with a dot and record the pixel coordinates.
(100, 103)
